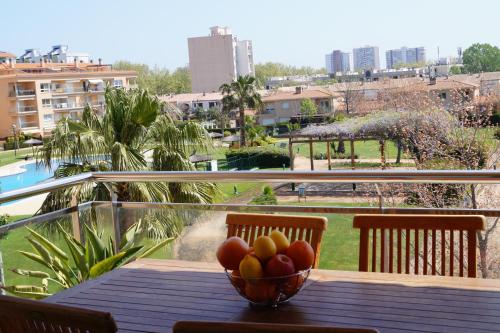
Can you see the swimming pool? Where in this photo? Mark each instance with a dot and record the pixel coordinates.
(33, 175)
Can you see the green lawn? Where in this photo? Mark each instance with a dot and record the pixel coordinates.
(8, 157)
(340, 243)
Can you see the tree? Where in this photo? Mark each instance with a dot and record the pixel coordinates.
(481, 58)
(133, 123)
(241, 94)
(454, 70)
(271, 69)
(308, 108)
(352, 96)
(158, 81)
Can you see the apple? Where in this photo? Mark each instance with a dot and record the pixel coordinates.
(280, 265)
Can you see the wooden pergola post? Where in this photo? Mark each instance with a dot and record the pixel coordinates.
(382, 153)
(290, 152)
(328, 155)
(311, 153)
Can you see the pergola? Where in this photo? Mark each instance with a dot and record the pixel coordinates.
(378, 126)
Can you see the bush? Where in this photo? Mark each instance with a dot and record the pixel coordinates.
(268, 197)
(257, 157)
(495, 119)
(497, 134)
(334, 156)
(4, 219)
(227, 133)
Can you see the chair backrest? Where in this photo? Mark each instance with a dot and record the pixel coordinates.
(432, 244)
(251, 226)
(27, 316)
(240, 327)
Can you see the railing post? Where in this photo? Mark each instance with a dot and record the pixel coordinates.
(115, 217)
(75, 219)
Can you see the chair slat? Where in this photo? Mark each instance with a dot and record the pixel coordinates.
(452, 255)
(308, 235)
(407, 252)
(363, 249)
(391, 250)
(301, 234)
(471, 250)
(434, 251)
(252, 235)
(246, 233)
(417, 253)
(374, 250)
(399, 252)
(426, 251)
(461, 259)
(382, 250)
(443, 252)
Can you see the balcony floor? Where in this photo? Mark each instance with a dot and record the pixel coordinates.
(151, 295)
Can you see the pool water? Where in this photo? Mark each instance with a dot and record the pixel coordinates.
(32, 176)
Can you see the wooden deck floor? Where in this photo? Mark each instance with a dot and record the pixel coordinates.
(151, 295)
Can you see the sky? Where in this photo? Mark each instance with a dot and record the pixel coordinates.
(294, 32)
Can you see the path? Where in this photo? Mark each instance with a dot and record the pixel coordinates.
(199, 241)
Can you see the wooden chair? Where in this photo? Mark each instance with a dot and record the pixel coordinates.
(227, 327)
(251, 226)
(420, 234)
(26, 316)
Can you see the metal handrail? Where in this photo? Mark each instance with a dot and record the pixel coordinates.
(334, 176)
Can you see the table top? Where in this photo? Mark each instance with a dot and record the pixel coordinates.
(151, 295)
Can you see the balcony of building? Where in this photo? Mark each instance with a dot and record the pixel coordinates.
(184, 282)
(22, 90)
(24, 107)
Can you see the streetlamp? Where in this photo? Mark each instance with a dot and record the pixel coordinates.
(14, 131)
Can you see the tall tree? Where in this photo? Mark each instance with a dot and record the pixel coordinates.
(481, 58)
(241, 94)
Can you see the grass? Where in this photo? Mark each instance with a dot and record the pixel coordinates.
(340, 243)
(8, 156)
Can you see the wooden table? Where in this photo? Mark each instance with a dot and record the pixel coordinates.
(151, 295)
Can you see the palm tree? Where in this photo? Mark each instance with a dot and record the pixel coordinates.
(133, 124)
(241, 94)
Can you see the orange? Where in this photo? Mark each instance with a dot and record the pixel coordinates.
(302, 254)
(231, 252)
(261, 291)
(292, 285)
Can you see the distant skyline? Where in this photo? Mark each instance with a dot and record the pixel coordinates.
(293, 32)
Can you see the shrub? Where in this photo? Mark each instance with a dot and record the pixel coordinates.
(268, 197)
(4, 219)
(334, 156)
(261, 157)
(497, 134)
(227, 133)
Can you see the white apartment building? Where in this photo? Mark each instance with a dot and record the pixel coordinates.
(405, 56)
(217, 59)
(366, 58)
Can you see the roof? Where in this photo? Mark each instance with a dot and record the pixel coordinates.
(191, 97)
(29, 70)
(4, 54)
(281, 95)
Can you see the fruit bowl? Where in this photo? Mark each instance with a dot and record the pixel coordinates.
(268, 291)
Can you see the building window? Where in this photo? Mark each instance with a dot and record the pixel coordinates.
(285, 105)
(48, 118)
(46, 103)
(45, 87)
(212, 104)
(117, 83)
(442, 96)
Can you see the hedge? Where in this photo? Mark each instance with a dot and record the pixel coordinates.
(257, 157)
